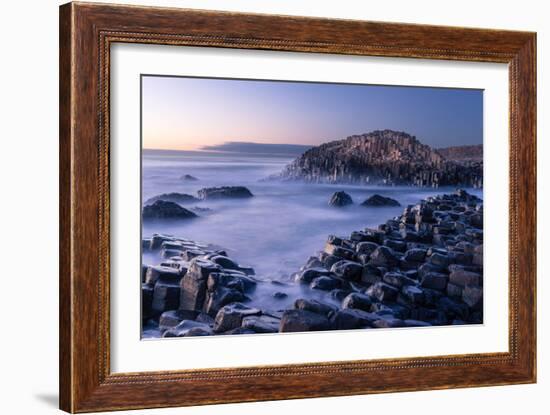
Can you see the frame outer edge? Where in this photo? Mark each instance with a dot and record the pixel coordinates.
(66, 120)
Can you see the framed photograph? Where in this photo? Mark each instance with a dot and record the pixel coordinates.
(259, 207)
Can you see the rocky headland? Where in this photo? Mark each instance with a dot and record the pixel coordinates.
(389, 158)
(422, 268)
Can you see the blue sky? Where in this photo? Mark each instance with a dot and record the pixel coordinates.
(182, 113)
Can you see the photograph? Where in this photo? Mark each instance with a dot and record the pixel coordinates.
(275, 206)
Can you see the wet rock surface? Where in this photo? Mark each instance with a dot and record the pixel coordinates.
(422, 268)
(340, 199)
(162, 209)
(224, 192)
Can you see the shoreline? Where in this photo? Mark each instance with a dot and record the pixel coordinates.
(422, 268)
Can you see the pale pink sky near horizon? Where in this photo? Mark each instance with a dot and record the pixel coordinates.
(182, 113)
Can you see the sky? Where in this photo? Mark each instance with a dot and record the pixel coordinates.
(182, 113)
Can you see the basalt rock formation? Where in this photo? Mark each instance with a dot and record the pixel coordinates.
(383, 157)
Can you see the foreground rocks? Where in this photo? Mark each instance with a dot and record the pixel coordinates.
(340, 199)
(162, 209)
(179, 198)
(422, 268)
(224, 192)
(378, 201)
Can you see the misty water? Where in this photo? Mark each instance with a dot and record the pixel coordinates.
(278, 229)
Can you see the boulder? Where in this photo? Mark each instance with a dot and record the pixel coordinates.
(357, 300)
(348, 270)
(179, 198)
(412, 294)
(314, 306)
(382, 291)
(303, 320)
(224, 192)
(365, 248)
(371, 274)
(452, 308)
(397, 279)
(325, 283)
(162, 209)
(308, 275)
(194, 283)
(384, 257)
(231, 316)
(435, 281)
(166, 274)
(462, 278)
(261, 324)
(340, 199)
(473, 296)
(185, 326)
(165, 297)
(219, 297)
(415, 255)
(454, 291)
(352, 318)
(172, 318)
(378, 201)
(188, 178)
(439, 260)
(339, 251)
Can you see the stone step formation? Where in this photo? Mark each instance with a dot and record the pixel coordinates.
(422, 268)
(387, 157)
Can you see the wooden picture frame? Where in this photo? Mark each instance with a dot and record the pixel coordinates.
(86, 33)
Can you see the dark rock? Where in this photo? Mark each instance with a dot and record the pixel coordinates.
(462, 278)
(314, 306)
(146, 301)
(435, 281)
(377, 201)
(325, 283)
(170, 319)
(308, 275)
(189, 178)
(340, 199)
(193, 284)
(371, 274)
(219, 297)
(415, 255)
(279, 295)
(261, 324)
(348, 270)
(357, 300)
(412, 294)
(303, 320)
(366, 248)
(387, 323)
(231, 316)
(439, 260)
(454, 291)
(397, 279)
(179, 198)
(162, 209)
(339, 251)
(339, 294)
(199, 331)
(382, 291)
(225, 192)
(391, 309)
(383, 256)
(165, 274)
(396, 245)
(183, 328)
(452, 308)
(165, 297)
(473, 296)
(352, 318)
